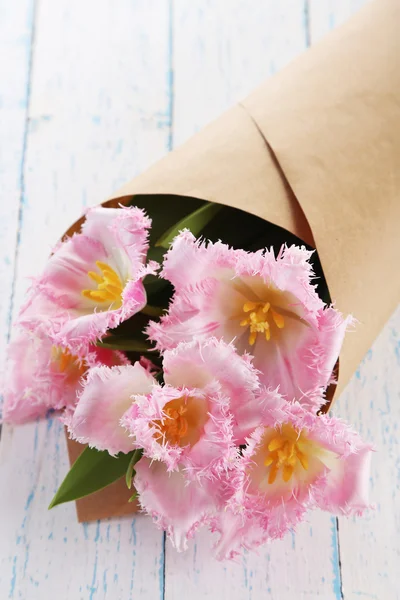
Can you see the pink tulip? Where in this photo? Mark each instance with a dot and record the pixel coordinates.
(207, 406)
(292, 463)
(94, 280)
(43, 377)
(177, 505)
(106, 396)
(266, 305)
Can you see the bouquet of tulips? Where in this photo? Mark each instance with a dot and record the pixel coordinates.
(190, 347)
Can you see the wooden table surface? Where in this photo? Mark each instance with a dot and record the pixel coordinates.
(91, 93)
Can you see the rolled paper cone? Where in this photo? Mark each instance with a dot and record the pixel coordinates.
(315, 150)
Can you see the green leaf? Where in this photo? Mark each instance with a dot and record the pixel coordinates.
(156, 253)
(153, 311)
(136, 456)
(153, 283)
(158, 290)
(119, 342)
(92, 471)
(196, 222)
(133, 497)
(165, 210)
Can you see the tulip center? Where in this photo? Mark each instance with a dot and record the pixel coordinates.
(175, 426)
(285, 452)
(109, 285)
(183, 421)
(259, 317)
(68, 364)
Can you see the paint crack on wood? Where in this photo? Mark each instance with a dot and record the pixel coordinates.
(171, 75)
(23, 161)
(339, 559)
(21, 175)
(307, 23)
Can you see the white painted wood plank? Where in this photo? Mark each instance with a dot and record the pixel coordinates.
(15, 44)
(47, 554)
(99, 113)
(222, 50)
(370, 547)
(325, 15)
(220, 53)
(302, 565)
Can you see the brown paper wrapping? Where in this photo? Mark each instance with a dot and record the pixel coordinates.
(112, 501)
(316, 150)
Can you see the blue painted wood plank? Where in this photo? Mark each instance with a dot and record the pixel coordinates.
(370, 547)
(16, 41)
(99, 113)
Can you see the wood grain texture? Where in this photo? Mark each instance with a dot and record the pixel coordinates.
(88, 129)
(325, 15)
(222, 51)
(370, 547)
(16, 38)
(92, 93)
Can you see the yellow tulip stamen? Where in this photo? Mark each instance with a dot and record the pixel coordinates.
(257, 322)
(182, 423)
(66, 360)
(284, 454)
(278, 319)
(68, 364)
(109, 285)
(175, 425)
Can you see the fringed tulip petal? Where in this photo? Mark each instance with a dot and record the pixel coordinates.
(42, 376)
(292, 464)
(177, 505)
(94, 280)
(106, 396)
(197, 364)
(208, 405)
(185, 427)
(266, 304)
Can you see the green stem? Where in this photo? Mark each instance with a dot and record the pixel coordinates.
(136, 456)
